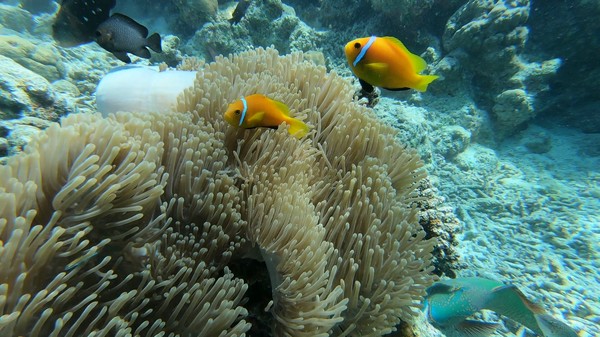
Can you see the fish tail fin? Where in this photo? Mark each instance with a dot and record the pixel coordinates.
(154, 42)
(551, 327)
(424, 82)
(297, 128)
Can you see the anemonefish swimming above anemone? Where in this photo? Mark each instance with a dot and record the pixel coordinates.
(260, 111)
(386, 63)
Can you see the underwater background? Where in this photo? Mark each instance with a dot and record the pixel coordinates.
(509, 133)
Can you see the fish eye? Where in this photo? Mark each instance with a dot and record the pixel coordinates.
(357, 45)
(98, 33)
(237, 112)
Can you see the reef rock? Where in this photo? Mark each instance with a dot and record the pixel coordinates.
(171, 55)
(488, 37)
(402, 8)
(264, 24)
(15, 18)
(38, 6)
(19, 133)
(26, 93)
(194, 13)
(455, 139)
(27, 103)
(572, 36)
(41, 58)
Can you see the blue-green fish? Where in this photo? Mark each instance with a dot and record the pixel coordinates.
(448, 303)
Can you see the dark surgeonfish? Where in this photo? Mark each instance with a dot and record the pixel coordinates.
(77, 20)
(120, 35)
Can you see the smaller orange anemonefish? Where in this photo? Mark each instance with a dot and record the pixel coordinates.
(385, 62)
(260, 111)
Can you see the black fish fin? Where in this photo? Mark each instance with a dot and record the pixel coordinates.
(366, 87)
(472, 328)
(396, 89)
(368, 92)
(154, 42)
(131, 23)
(142, 52)
(121, 55)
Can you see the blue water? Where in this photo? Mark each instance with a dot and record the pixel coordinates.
(509, 133)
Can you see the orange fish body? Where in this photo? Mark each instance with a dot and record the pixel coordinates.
(260, 111)
(385, 62)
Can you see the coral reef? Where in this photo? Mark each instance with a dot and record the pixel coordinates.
(128, 225)
(24, 92)
(41, 58)
(400, 8)
(194, 13)
(488, 37)
(38, 6)
(572, 36)
(27, 103)
(15, 19)
(265, 23)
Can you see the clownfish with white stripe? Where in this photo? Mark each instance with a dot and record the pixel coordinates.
(260, 111)
(386, 63)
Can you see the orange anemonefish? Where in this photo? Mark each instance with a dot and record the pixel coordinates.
(259, 110)
(385, 62)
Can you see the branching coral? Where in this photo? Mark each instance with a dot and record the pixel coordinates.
(131, 225)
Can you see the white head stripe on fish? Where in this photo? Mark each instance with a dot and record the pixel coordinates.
(363, 51)
(243, 111)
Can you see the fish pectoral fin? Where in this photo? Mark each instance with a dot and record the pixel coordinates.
(256, 118)
(377, 68)
(142, 52)
(122, 56)
(470, 328)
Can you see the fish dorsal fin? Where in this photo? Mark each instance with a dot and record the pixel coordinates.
(416, 60)
(509, 301)
(439, 288)
(470, 328)
(132, 23)
(281, 106)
